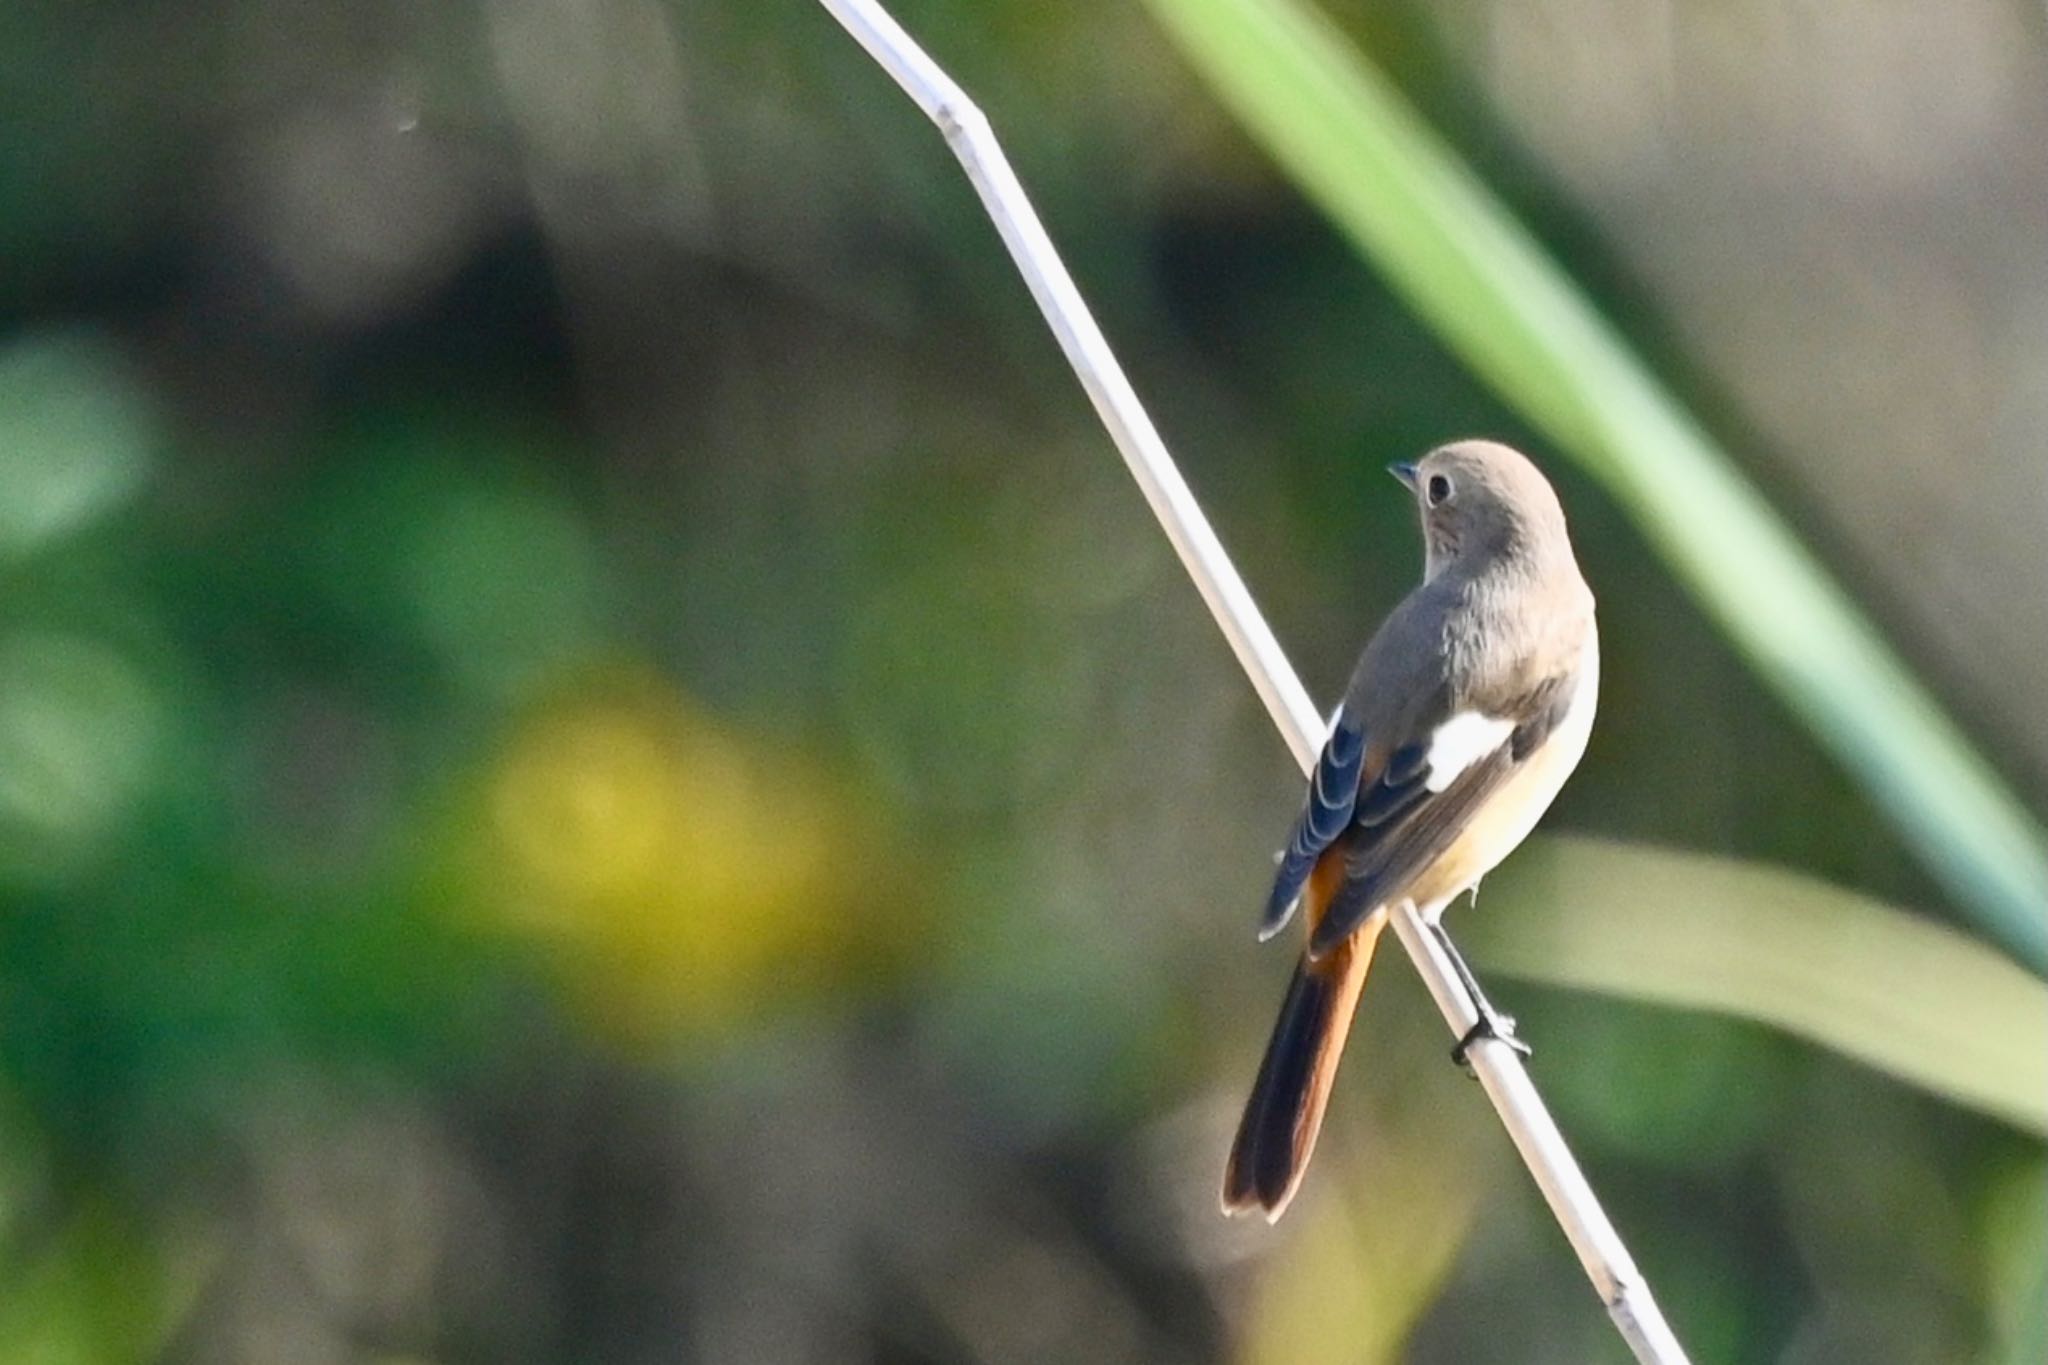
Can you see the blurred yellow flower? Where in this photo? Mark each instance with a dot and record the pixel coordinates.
(686, 877)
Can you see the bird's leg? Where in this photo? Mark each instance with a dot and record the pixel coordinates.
(1492, 1023)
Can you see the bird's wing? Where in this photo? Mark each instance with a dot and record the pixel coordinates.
(1325, 814)
(1428, 792)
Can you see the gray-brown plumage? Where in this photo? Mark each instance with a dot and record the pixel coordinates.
(1468, 709)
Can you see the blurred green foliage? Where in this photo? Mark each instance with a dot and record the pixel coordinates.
(598, 763)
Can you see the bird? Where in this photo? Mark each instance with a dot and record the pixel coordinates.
(1468, 709)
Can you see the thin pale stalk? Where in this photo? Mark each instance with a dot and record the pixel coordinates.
(1501, 1074)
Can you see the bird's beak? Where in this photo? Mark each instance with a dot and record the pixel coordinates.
(1405, 472)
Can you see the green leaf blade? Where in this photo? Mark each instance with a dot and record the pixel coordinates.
(1895, 991)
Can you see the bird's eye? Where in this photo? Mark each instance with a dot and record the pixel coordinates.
(1439, 489)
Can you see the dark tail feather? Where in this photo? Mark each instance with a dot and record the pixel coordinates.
(1285, 1112)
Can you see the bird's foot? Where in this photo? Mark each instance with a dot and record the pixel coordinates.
(1492, 1024)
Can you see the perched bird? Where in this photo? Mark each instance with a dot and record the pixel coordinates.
(1468, 709)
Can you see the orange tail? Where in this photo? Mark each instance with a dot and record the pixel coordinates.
(1285, 1112)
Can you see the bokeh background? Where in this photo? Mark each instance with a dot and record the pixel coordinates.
(599, 763)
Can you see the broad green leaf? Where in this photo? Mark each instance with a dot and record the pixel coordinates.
(1920, 1002)
(1347, 138)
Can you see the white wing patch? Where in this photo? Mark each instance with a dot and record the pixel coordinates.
(1460, 742)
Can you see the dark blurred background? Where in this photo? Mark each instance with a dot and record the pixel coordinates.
(598, 761)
